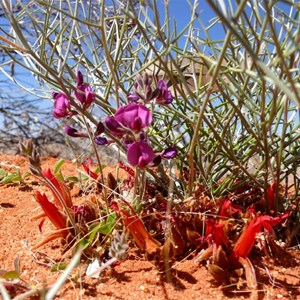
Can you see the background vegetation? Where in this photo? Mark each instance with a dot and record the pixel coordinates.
(236, 100)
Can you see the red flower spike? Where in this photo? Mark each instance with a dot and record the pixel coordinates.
(141, 236)
(51, 211)
(247, 239)
(228, 209)
(214, 234)
(209, 224)
(133, 223)
(60, 187)
(269, 222)
(219, 236)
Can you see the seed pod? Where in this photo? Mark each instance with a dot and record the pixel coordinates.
(218, 273)
(112, 185)
(221, 258)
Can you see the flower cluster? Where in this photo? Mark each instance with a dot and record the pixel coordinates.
(143, 92)
(128, 123)
(83, 93)
(55, 210)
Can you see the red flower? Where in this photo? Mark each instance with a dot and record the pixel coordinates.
(57, 218)
(214, 233)
(55, 186)
(51, 211)
(228, 209)
(141, 236)
(247, 239)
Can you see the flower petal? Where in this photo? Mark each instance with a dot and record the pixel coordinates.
(134, 116)
(62, 106)
(58, 186)
(113, 126)
(73, 132)
(140, 154)
(101, 141)
(169, 153)
(51, 211)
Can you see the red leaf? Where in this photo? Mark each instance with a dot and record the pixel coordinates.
(129, 170)
(90, 172)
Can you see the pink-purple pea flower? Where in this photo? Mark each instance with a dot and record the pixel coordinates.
(143, 92)
(168, 153)
(73, 132)
(101, 141)
(132, 116)
(164, 95)
(84, 93)
(140, 154)
(62, 106)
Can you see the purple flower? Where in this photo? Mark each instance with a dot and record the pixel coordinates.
(114, 126)
(100, 129)
(129, 117)
(169, 153)
(101, 141)
(79, 79)
(140, 154)
(156, 161)
(74, 132)
(62, 106)
(85, 212)
(84, 94)
(164, 95)
(134, 116)
(133, 98)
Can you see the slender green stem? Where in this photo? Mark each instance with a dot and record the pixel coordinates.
(91, 137)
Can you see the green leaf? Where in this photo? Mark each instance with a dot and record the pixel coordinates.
(57, 167)
(11, 275)
(58, 267)
(83, 244)
(93, 230)
(12, 177)
(97, 171)
(72, 178)
(26, 175)
(3, 173)
(106, 227)
(84, 177)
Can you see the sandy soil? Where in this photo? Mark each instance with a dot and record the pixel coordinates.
(134, 278)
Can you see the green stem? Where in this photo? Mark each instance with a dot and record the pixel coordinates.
(104, 192)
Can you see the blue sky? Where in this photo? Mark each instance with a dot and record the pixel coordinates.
(179, 11)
